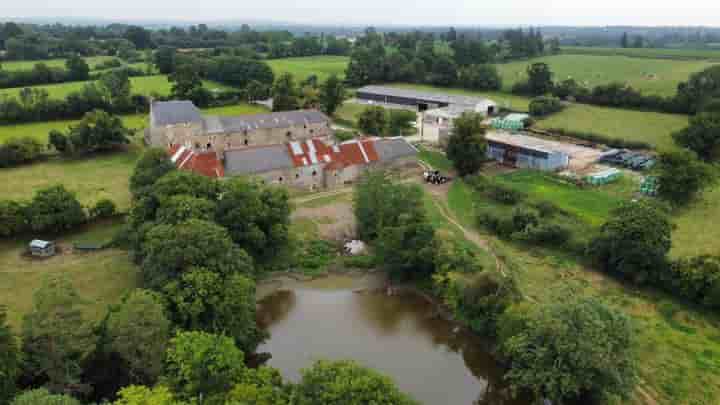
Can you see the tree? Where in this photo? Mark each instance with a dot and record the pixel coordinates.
(164, 59)
(555, 46)
(139, 36)
(634, 242)
(140, 395)
(78, 69)
(171, 250)
(372, 120)
(153, 164)
(466, 146)
(179, 182)
(444, 71)
(202, 300)
(406, 247)
(699, 90)
(332, 95)
(624, 41)
(16, 151)
(187, 85)
(104, 208)
(97, 131)
(42, 396)
(681, 176)
(400, 122)
(545, 105)
(285, 94)
(571, 349)
(13, 218)
(481, 77)
(257, 91)
(200, 363)
(638, 42)
(539, 78)
(55, 209)
(256, 217)
(260, 386)
(237, 71)
(138, 331)
(56, 338)
(347, 383)
(180, 208)
(9, 359)
(59, 141)
(116, 86)
(702, 135)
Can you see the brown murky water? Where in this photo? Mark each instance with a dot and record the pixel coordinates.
(399, 336)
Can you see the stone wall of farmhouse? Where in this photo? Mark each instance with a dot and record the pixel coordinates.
(306, 177)
(194, 136)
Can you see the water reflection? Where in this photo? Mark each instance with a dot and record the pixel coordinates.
(399, 336)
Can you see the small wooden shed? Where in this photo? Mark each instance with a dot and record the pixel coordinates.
(42, 248)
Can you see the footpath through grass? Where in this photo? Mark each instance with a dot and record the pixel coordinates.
(678, 344)
(101, 278)
(651, 76)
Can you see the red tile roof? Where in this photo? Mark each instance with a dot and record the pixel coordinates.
(203, 163)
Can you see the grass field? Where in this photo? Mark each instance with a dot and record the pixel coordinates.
(140, 85)
(60, 63)
(92, 178)
(678, 345)
(101, 278)
(693, 235)
(652, 76)
(301, 68)
(653, 53)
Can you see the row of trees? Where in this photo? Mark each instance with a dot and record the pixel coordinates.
(76, 69)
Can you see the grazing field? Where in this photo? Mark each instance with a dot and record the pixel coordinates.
(654, 128)
(652, 76)
(678, 345)
(301, 68)
(101, 278)
(140, 85)
(92, 178)
(29, 64)
(693, 234)
(653, 53)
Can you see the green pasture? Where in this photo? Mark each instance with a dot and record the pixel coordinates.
(656, 53)
(60, 63)
(652, 76)
(301, 68)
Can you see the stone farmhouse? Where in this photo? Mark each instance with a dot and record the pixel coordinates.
(312, 164)
(181, 123)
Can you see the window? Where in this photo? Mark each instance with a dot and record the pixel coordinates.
(245, 142)
(297, 175)
(209, 145)
(197, 145)
(312, 131)
(280, 179)
(288, 134)
(314, 173)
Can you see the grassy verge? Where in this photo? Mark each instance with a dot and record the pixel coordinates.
(437, 160)
(101, 278)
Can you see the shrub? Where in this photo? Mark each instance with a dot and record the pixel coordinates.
(545, 233)
(55, 209)
(13, 218)
(104, 208)
(16, 151)
(543, 105)
(697, 279)
(504, 194)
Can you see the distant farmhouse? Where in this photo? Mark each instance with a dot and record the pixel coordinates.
(180, 123)
(293, 148)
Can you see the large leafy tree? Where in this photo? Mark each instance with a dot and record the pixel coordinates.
(138, 331)
(180, 208)
(467, 145)
(332, 94)
(117, 88)
(701, 88)
(170, 250)
(140, 395)
(681, 176)
(285, 94)
(373, 120)
(203, 300)
(260, 386)
(78, 69)
(347, 383)
(200, 363)
(540, 78)
(240, 72)
(55, 209)
(98, 130)
(139, 36)
(702, 135)
(164, 59)
(179, 182)
(634, 242)
(571, 349)
(481, 77)
(9, 359)
(187, 85)
(56, 338)
(42, 396)
(257, 217)
(153, 164)
(400, 122)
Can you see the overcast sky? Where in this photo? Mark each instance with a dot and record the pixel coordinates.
(400, 12)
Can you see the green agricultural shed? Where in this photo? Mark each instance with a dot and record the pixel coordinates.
(510, 122)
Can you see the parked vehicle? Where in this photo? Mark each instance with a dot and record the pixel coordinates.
(434, 177)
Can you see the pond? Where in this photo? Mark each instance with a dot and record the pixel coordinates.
(343, 317)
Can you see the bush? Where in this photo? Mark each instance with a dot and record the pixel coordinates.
(697, 279)
(543, 105)
(545, 234)
(504, 194)
(16, 151)
(315, 255)
(54, 209)
(104, 208)
(13, 218)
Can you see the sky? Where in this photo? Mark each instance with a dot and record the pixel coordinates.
(385, 12)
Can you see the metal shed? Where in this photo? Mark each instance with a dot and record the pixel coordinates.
(42, 248)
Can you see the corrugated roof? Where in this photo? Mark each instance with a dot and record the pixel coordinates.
(173, 112)
(203, 163)
(423, 96)
(39, 244)
(284, 119)
(389, 149)
(257, 160)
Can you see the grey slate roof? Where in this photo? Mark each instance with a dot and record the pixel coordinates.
(422, 95)
(173, 112)
(285, 119)
(257, 160)
(389, 149)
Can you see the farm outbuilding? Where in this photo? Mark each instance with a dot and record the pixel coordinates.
(42, 248)
(424, 101)
(525, 152)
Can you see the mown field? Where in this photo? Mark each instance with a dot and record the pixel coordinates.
(301, 68)
(652, 76)
(665, 53)
(146, 85)
(678, 344)
(92, 177)
(60, 63)
(101, 278)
